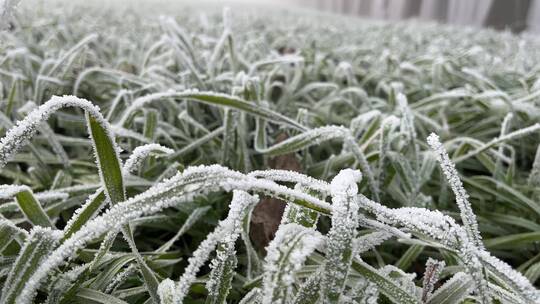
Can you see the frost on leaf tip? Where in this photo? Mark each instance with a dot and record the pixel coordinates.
(166, 291)
(345, 183)
(140, 153)
(431, 276)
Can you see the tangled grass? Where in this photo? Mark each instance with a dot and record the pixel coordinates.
(135, 148)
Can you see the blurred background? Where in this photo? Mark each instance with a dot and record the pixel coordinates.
(514, 15)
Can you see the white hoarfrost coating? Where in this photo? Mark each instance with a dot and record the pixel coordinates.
(231, 229)
(431, 276)
(444, 229)
(515, 277)
(345, 183)
(370, 241)
(292, 177)
(285, 256)
(308, 138)
(7, 223)
(26, 128)
(48, 196)
(9, 191)
(166, 291)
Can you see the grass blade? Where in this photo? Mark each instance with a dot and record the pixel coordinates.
(38, 245)
(287, 251)
(453, 291)
(85, 295)
(345, 220)
(215, 99)
(388, 287)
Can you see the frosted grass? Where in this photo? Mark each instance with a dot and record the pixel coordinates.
(255, 91)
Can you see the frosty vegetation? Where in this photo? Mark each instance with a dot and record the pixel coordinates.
(135, 149)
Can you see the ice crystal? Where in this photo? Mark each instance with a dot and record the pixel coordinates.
(513, 277)
(121, 277)
(455, 280)
(254, 296)
(364, 292)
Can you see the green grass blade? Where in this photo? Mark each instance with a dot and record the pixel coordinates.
(94, 203)
(533, 272)
(309, 292)
(217, 99)
(409, 256)
(287, 251)
(340, 238)
(109, 167)
(513, 240)
(304, 140)
(195, 216)
(219, 282)
(388, 287)
(38, 245)
(107, 160)
(254, 296)
(85, 295)
(32, 209)
(453, 291)
(10, 232)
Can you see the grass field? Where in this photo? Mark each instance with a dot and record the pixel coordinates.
(146, 152)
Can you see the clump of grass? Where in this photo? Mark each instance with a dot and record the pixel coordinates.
(161, 130)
